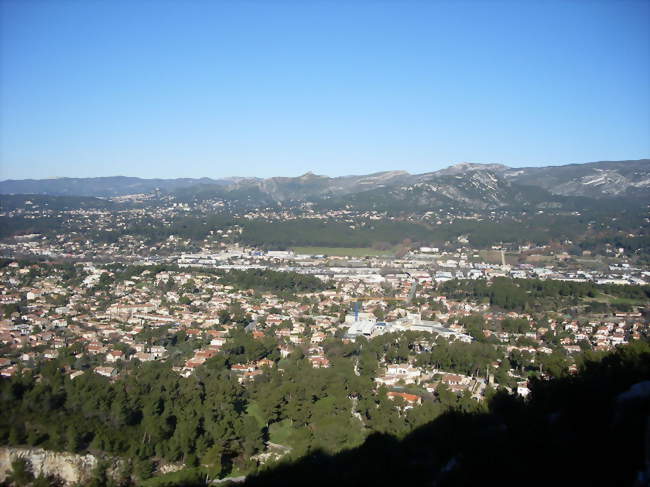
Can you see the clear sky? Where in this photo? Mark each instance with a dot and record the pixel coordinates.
(236, 88)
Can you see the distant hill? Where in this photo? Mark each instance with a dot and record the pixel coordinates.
(465, 185)
(12, 202)
(595, 179)
(101, 187)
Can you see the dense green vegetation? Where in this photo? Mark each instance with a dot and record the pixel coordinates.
(597, 228)
(215, 426)
(520, 294)
(263, 280)
(152, 230)
(587, 429)
(271, 281)
(20, 225)
(201, 420)
(11, 202)
(209, 419)
(286, 234)
(148, 229)
(153, 412)
(588, 231)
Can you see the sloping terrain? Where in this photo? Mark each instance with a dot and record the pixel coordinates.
(102, 187)
(465, 185)
(595, 179)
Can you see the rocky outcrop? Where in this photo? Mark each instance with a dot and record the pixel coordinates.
(69, 467)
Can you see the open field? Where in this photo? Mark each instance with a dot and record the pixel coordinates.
(342, 251)
(279, 432)
(606, 298)
(494, 257)
(253, 410)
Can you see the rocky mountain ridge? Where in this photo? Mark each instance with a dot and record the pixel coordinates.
(477, 186)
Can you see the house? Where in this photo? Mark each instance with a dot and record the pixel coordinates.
(249, 375)
(410, 399)
(157, 351)
(95, 348)
(205, 353)
(388, 380)
(405, 371)
(319, 362)
(106, 371)
(144, 356)
(242, 368)
(9, 371)
(452, 379)
(114, 355)
(264, 363)
(318, 337)
(522, 388)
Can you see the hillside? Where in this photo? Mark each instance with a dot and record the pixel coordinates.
(596, 179)
(36, 201)
(101, 187)
(588, 429)
(462, 186)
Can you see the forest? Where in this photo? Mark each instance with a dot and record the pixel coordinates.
(527, 294)
(216, 427)
(584, 429)
(266, 280)
(209, 420)
(596, 230)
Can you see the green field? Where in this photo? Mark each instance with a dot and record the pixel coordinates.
(343, 251)
(253, 409)
(606, 298)
(279, 432)
(494, 257)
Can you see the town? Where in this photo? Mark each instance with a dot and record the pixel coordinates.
(422, 313)
(112, 315)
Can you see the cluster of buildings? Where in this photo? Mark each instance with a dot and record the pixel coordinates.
(106, 322)
(108, 235)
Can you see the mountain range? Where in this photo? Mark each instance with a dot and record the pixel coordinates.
(466, 185)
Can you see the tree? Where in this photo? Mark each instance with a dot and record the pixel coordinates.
(502, 376)
(446, 397)
(252, 437)
(214, 458)
(21, 472)
(74, 440)
(143, 468)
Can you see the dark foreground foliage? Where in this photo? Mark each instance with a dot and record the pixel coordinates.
(580, 430)
(589, 429)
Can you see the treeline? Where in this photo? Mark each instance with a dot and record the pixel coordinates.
(538, 229)
(12, 202)
(520, 294)
(597, 231)
(148, 229)
(153, 230)
(267, 280)
(19, 225)
(285, 234)
(630, 245)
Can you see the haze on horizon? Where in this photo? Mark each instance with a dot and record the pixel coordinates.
(207, 89)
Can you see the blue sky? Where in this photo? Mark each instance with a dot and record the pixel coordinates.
(210, 88)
